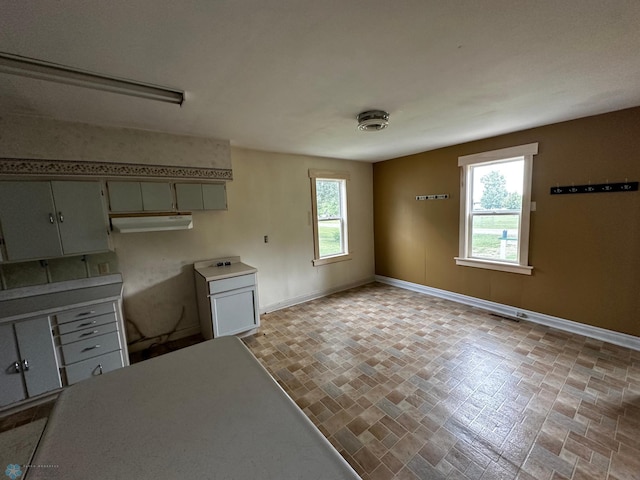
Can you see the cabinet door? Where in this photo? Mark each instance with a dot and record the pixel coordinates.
(81, 217)
(28, 220)
(214, 196)
(35, 344)
(156, 197)
(125, 196)
(189, 196)
(233, 312)
(11, 386)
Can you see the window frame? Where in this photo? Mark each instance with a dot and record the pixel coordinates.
(467, 162)
(314, 176)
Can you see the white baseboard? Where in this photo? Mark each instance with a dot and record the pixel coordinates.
(598, 333)
(312, 296)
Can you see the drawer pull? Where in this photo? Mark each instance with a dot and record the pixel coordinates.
(84, 314)
(86, 324)
(25, 364)
(90, 348)
(100, 368)
(16, 365)
(86, 334)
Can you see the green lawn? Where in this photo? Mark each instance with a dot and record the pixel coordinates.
(329, 235)
(486, 243)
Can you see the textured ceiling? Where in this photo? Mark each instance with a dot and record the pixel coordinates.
(291, 76)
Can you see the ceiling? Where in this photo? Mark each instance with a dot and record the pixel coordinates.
(291, 75)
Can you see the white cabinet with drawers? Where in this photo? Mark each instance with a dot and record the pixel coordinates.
(59, 334)
(89, 342)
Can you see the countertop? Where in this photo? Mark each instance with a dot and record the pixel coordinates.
(211, 273)
(51, 298)
(206, 411)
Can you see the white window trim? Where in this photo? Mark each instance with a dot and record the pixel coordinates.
(527, 152)
(328, 174)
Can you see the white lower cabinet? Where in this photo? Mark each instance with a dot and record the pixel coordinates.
(56, 335)
(28, 360)
(89, 341)
(227, 294)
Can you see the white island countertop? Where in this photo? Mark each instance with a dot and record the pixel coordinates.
(210, 411)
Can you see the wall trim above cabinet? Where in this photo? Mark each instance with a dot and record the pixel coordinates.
(26, 167)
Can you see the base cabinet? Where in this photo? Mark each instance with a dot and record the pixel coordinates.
(227, 305)
(28, 359)
(55, 335)
(90, 341)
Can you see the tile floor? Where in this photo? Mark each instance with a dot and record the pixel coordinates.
(409, 386)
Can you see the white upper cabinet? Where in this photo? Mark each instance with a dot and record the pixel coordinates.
(140, 197)
(195, 196)
(52, 219)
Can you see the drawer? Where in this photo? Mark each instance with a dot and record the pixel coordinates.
(89, 332)
(231, 283)
(86, 323)
(93, 367)
(91, 347)
(85, 312)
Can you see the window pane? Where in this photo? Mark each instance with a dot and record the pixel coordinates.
(330, 237)
(498, 186)
(495, 237)
(328, 198)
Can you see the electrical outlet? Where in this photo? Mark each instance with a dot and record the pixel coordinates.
(266, 239)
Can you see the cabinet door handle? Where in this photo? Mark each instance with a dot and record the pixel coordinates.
(86, 324)
(16, 365)
(100, 368)
(60, 217)
(86, 334)
(25, 364)
(90, 348)
(51, 219)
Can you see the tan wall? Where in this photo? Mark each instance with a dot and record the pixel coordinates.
(270, 195)
(585, 249)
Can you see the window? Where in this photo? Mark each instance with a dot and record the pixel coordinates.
(495, 202)
(329, 206)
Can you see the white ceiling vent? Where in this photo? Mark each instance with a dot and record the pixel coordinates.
(373, 120)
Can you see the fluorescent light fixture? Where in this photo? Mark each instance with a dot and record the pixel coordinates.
(32, 68)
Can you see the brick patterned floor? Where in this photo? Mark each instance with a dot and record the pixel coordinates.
(409, 386)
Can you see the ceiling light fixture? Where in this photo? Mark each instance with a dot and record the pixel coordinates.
(373, 120)
(32, 68)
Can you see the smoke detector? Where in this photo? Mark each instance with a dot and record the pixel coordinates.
(373, 120)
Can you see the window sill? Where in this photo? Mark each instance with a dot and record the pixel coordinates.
(489, 265)
(326, 260)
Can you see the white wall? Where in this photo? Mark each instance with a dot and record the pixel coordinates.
(270, 195)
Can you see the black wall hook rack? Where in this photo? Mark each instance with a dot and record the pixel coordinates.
(599, 188)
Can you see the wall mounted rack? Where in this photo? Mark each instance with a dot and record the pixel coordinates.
(439, 196)
(599, 188)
